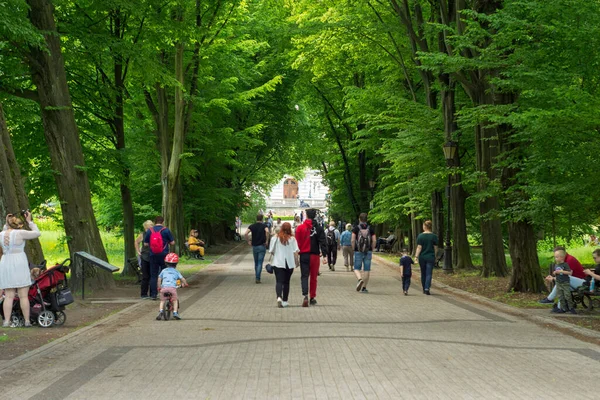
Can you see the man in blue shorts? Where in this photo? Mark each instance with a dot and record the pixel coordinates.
(363, 243)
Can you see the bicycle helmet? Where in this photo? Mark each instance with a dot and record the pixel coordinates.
(172, 258)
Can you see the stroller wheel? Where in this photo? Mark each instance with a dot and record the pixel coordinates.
(60, 318)
(16, 321)
(45, 319)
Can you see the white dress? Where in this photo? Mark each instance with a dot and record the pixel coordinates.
(14, 268)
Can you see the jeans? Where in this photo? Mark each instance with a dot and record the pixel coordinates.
(405, 282)
(145, 267)
(157, 264)
(573, 281)
(259, 256)
(426, 272)
(362, 261)
(332, 254)
(282, 285)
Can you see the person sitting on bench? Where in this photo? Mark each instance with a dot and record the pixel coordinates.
(386, 241)
(196, 245)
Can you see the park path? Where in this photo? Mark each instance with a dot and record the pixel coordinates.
(233, 343)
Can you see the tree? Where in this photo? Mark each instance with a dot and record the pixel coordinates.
(48, 75)
(12, 191)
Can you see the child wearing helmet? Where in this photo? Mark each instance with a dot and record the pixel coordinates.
(167, 283)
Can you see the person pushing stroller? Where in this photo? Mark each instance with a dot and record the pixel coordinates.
(168, 283)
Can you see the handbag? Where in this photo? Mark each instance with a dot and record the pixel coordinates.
(64, 297)
(269, 267)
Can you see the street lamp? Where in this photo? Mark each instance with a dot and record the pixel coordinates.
(449, 148)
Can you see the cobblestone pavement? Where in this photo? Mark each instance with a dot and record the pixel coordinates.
(234, 343)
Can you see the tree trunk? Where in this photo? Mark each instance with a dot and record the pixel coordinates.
(62, 137)
(172, 188)
(416, 227)
(486, 146)
(526, 272)
(461, 253)
(119, 130)
(12, 192)
(437, 215)
(461, 250)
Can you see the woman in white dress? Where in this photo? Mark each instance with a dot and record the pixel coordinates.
(285, 257)
(14, 268)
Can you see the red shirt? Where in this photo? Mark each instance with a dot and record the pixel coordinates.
(575, 266)
(303, 236)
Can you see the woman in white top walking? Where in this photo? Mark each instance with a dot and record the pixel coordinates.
(14, 268)
(285, 252)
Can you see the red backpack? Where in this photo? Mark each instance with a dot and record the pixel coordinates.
(156, 241)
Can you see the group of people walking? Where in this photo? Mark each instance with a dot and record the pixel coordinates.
(309, 246)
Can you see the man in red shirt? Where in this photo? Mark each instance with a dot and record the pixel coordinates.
(576, 280)
(311, 238)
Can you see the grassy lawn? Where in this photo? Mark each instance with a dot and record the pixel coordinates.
(56, 250)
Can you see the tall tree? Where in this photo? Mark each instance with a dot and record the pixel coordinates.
(48, 75)
(12, 192)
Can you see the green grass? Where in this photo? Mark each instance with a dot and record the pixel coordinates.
(4, 338)
(56, 250)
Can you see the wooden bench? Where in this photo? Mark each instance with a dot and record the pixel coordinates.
(388, 246)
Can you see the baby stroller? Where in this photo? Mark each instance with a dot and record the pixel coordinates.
(48, 296)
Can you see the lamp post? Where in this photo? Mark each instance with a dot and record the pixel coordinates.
(371, 187)
(449, 154)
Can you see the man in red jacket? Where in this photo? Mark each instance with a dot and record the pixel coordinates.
(311, 241)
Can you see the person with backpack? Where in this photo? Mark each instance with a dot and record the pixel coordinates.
(333, 245)
(311, 238)
(363, 242)
(158, 238)
(425, 253)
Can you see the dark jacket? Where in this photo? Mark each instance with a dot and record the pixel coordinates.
(311, 238)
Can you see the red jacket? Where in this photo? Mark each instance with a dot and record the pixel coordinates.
(311, 238)
(575, 266)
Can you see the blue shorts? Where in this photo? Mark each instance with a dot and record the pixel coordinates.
(362, 259)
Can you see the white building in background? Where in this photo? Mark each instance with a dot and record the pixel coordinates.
(290, 195)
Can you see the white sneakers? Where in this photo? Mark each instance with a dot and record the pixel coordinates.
(281, 303)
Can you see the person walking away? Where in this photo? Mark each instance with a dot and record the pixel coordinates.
(576, 280)
(284, 248)
(15, 277)
(425, 253)
(158, 239)
(363, 243)
(406, 264)
(333, 245)
(260, 236)
(311, 241)
(167, 283)
(562, 273)
(347, 251)
(144, 260)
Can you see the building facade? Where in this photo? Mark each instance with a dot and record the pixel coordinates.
(291, 195)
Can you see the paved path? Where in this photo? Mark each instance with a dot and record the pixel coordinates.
(235, 344)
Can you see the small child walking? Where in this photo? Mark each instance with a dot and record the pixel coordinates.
(167, 283)
(406, 263)
(562, 273)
